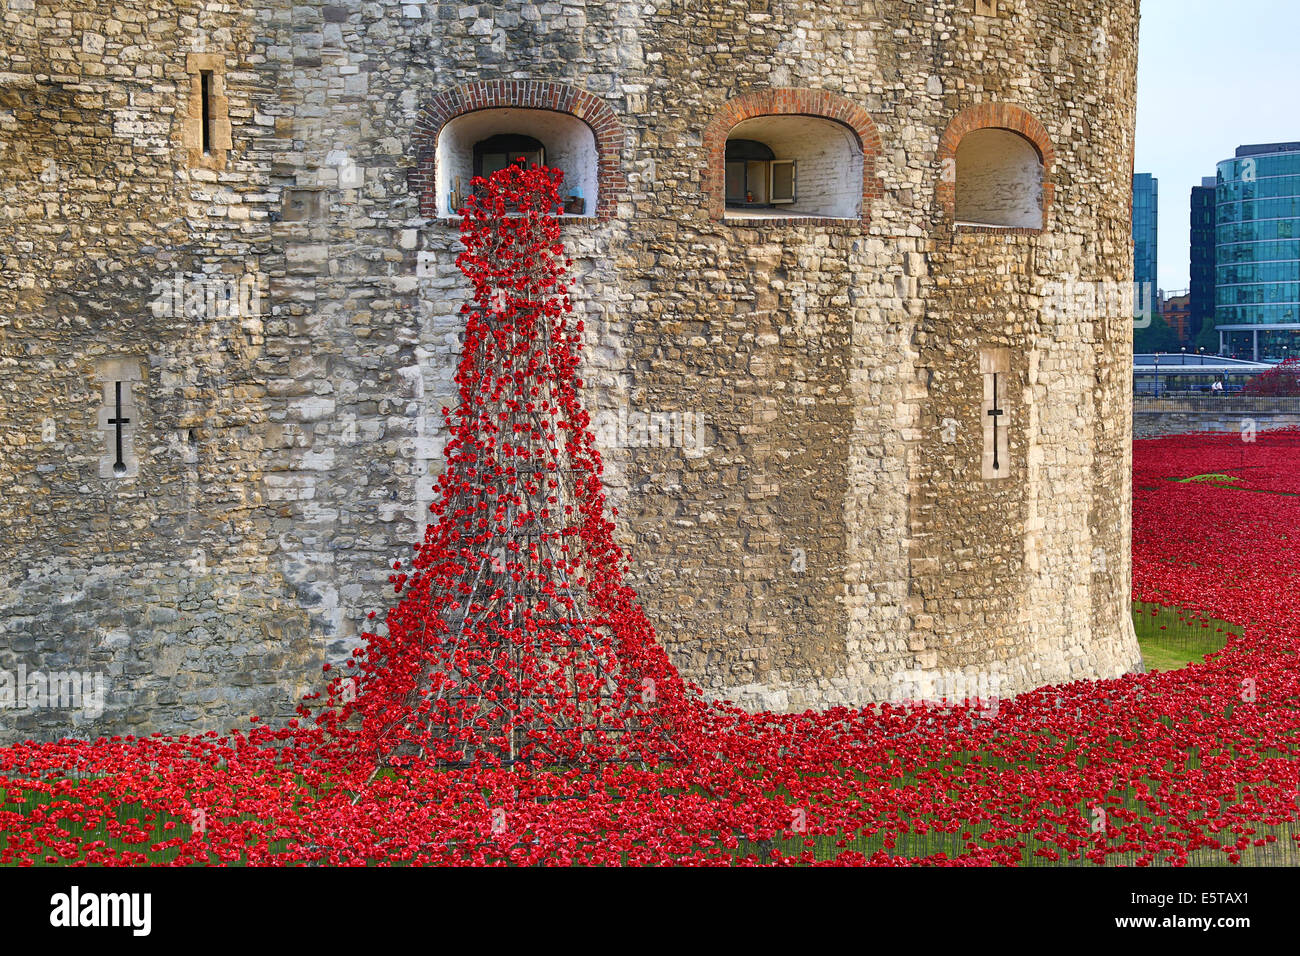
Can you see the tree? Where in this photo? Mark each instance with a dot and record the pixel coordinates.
(1156, 337)
(1208, 337)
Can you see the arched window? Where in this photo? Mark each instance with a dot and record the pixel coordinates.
(822, 162)
(999, 180)
(792, 165)
(996, 165)
(481, 142)
(578, 130)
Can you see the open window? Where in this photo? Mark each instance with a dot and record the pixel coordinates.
(999, 180)
(793, 165)
(756, 178)
(497, 152)
(481, 142)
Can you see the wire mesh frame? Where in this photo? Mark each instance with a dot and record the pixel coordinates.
(536, 470)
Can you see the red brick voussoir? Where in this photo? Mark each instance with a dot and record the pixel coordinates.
(519, 94)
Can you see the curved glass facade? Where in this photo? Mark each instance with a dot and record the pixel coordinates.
(1257, 240)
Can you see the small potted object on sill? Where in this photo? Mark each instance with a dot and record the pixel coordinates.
(574, 204)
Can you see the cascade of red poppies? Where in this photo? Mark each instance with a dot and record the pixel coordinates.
(515, 640)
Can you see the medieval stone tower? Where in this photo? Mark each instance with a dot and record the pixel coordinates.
(855, 439)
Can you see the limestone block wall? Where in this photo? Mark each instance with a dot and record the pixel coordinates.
(115, 247)
(824, 536)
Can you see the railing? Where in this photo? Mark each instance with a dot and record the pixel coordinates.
(1211, 402)
(1195, 391)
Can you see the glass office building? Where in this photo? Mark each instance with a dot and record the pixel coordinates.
(1257, 252)
(1146, 210)
(1201, 291)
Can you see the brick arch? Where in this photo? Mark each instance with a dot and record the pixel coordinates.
(787, 101)
(519, 94)
(993, 116)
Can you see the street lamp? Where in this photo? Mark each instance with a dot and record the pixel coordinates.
(1184, 354)
(1157, 363)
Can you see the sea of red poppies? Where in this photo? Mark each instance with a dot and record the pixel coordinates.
(516, 709)
(1194, 765)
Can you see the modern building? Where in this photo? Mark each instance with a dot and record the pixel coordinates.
(1257, 252)
(1146, 213)
(1201, 289)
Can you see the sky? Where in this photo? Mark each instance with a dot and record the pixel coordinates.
(1212, 76)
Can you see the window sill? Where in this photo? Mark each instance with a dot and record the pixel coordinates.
(984, 227)
(566, 219)
(782, 217)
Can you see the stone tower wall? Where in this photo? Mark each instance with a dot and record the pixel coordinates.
(818, 533)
